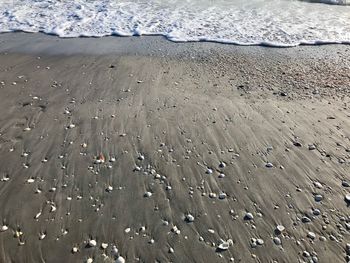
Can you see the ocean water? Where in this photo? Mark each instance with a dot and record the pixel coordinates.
(243, 22)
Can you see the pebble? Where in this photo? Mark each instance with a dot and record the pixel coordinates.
(189, 218)
(89, 260)
(71, 126)
(347, 198)
(306, 254)
(318, 185)
(221, 175)
(319, 198)
(260, 242)
(92, 243)
(277, 241)
(209, 171)
(147, 194)
(312, 147)
(311, 235)
(4, 228)
(345, 184)
(75, 250)
(224, 245)
(222, 165)
(248, 216)
(104, 245)
(222, 195)
(280, 228)
(120, 259)
(269, 165)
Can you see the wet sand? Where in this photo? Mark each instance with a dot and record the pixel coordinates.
(216, 155)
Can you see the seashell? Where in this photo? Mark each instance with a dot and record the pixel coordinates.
(71, 126)
(109, 188)
(127, 230)
(75, 250)
(89, 260)
(27, 129)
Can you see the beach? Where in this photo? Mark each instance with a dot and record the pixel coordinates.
(145, 150)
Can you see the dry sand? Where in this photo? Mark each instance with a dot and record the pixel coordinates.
(168, 157)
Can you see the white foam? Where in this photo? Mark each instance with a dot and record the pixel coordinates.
(254, 22)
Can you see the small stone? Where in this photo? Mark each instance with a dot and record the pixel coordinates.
(189, 218)
(75, 250)
(221, 175)
(92, 243)
(147, 194)
(4, 228)
(347, 198)
(109, 188)
(297, 144)
(277, 241)
(305, 219)
(345, 184)
(223, 245)
(311, 235)
(248, 216)
(319, 198)
(209, 171)
(104, 245)
(316, 212)
(171, 250)
(89, 260)
(71, 126)
(318, 185)
(306, 254)
(222, 196)
(269, 165)
(120, 259)
(312, 147)
(260, 242)
(280, 229)
(222, 165)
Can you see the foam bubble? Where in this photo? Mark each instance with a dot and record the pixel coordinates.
(255, 22)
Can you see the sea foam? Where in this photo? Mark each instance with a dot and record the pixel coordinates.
(255, 22)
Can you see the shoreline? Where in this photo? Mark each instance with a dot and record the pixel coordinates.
(166, 150)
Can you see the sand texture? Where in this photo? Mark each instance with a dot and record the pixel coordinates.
(210, 158)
